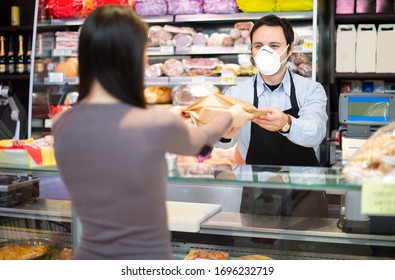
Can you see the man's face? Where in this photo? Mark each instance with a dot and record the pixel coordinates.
(271, 36)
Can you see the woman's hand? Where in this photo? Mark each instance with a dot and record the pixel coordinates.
(240, 116)
(178, 110)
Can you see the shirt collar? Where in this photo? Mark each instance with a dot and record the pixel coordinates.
(285, 84)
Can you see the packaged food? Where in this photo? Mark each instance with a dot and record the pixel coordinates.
(206, 255)
(375, 159)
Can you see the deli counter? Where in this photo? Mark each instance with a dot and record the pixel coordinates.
(279, 212)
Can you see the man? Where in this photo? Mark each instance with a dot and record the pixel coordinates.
(293, 123)
(291, 127)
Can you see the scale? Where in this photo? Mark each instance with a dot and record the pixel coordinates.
(13, 119)
(361, 114)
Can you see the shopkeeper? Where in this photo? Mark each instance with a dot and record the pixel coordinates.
(293, 123)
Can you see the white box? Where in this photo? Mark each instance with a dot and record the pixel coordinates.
(365, 61)
(385, 48)
(346, 37)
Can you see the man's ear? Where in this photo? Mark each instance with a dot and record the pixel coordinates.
(291, 49)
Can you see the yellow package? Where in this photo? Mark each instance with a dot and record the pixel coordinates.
(253, 6)
(294, 5)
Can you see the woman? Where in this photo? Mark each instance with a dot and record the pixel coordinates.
(110, 148)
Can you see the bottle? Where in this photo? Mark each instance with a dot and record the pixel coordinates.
(20, 59)
(10, 58)
(2, 57)
(39, 64)
(15, 16)
(28, 55)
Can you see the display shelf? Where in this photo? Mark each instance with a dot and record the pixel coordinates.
(370, 76)
(50, 209)
(14, 77)
(241, 16)
(364, 18)
(204, 79)
(12, 29)
(289, 228)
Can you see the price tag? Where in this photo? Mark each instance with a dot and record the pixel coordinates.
(242, 48)
(166, 50)
(68, 52)
(48, 123)
(227, 77)
(308, 43)
(198, 48)
(198, 79)
(56, 77)
(58, 52)
(378, 198)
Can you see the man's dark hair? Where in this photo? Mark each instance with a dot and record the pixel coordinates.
(111, 49)
(273, 20)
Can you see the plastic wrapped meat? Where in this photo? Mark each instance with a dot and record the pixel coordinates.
(202, 63)
(182, 40)
(151, 7)
(189, 94)
(177, 30)
(199, 39)
(154, 71)
(220, 6)
(157, 36)
(173, 67)
(182, 7)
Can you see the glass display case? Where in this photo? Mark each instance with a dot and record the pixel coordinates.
(252, 210)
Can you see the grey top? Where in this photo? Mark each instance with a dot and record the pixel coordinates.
(111, 158)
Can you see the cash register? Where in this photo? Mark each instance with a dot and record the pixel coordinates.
(360, 115)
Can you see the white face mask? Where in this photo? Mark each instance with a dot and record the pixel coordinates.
(268, 60)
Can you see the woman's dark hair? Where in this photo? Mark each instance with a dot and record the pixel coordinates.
(111, 49)
(273, 20)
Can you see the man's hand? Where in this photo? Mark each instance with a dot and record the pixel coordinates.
(272, 119)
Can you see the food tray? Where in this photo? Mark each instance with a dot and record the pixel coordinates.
(28, 249)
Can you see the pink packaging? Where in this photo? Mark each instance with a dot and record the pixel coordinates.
(151, 7)
(385, 6)
(220, 6)
(345, 6)
(182, 7)
(365, 6)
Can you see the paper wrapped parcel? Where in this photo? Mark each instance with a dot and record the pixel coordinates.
(206, 109)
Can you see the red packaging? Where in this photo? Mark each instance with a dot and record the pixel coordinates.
(64, 8)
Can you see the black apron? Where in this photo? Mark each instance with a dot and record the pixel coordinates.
(272, 148)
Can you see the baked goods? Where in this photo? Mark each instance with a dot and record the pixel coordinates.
(157, 95)
(22, 252)
(206, 255)
(253, 257)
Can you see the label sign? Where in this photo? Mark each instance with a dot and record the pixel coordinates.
(56, 77)
(378, 198)
(227, 77)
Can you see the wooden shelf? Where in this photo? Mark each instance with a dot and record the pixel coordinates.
(364, 18)
(370, 76)
(14, 77)
(21, 28)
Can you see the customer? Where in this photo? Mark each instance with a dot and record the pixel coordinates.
(110, 148)
(292, 125)
(294, 117)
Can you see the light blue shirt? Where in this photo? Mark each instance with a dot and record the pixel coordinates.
(308, 130)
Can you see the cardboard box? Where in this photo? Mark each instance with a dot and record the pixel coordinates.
(385, 48)
(365, 60)
(346, 38)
